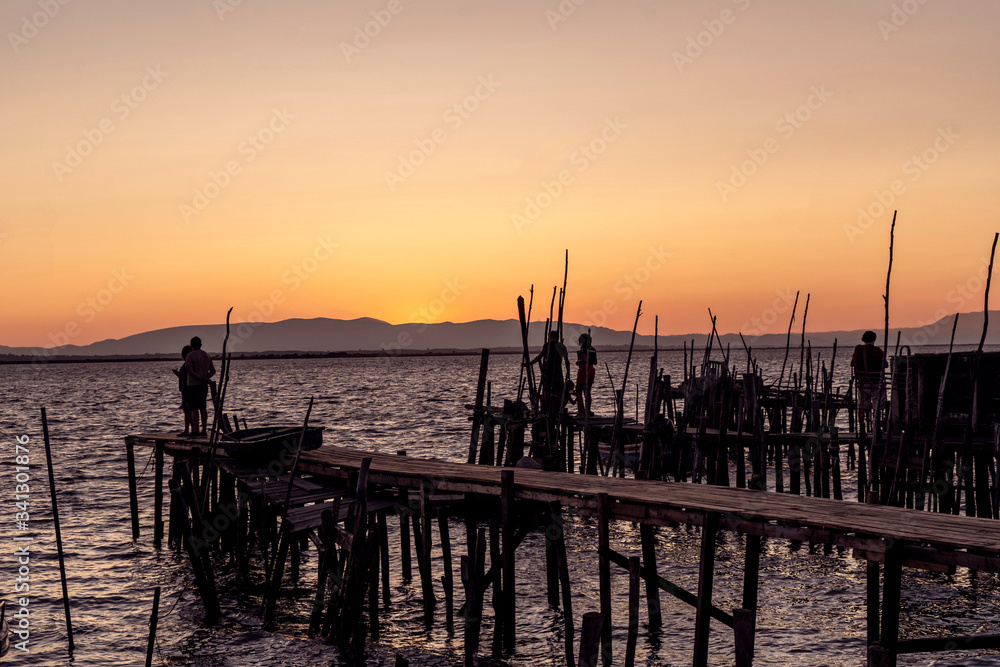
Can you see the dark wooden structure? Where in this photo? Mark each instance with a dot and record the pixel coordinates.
(890, 538)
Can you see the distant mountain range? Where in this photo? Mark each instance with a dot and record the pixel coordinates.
(366, 335)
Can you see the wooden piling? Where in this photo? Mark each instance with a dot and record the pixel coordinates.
(706, 576)
(478, 414)
(133, 495)
(590, 638)
(551, 562)
(633, 610)
(383, 546)
(447, 579)
(743, 629)
(555, 510)
(647, 539)
(507, 519)
(158, 495)
(745, 623)
(404, 528)
(203, 578)
(604, 574)
(838, 493)
(499, 617)
(55, 521)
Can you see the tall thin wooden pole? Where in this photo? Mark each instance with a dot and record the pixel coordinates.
(55, 521)
(788, 340)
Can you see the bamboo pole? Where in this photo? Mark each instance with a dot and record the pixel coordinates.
(55, 521)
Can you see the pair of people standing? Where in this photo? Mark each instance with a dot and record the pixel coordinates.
(556, 390)
(193, 379)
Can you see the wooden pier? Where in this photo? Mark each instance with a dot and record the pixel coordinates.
(336, 486)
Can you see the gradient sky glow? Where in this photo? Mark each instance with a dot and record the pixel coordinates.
(163, 161)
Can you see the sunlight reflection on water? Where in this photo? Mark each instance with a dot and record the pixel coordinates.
(811, 599)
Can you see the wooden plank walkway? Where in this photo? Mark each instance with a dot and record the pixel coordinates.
(889, 538)
(757, 512)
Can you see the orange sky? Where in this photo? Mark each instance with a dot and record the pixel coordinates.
(164, 161)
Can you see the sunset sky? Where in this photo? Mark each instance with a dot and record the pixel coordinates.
(430, 160)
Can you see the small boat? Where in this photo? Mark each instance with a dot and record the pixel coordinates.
(270, 442)
(4, 630)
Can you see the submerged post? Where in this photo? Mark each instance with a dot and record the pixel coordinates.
(55, 521)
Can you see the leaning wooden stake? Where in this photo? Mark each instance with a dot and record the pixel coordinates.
(55, 521)
(153, 618)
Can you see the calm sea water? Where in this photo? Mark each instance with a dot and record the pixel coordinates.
(812, 599)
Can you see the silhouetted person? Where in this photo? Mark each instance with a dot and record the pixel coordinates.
(552, 357)
(586, 371)
(868, 363)
(200, 369)
(182, 378)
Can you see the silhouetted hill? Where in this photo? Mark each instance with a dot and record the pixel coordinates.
(320, 335)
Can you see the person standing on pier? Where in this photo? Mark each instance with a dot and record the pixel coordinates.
(551, 358)
(586, 371)
(868, 363)
(200, 369)
(182, 378)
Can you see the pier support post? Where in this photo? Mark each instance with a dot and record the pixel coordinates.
(634, 566)
(892, 575)
(559, 538)
(507, 518)
(158, 496)
(478, 414)
(551, 561)
(706, 576)
(422, 537)
(590, 636)
(872, 586)
(747, 616)
(383, 546)
(647, 537)
(743, 628)
(497, 585)
(133, 495)
(405, 511)
(604, 570)
(447, 579)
